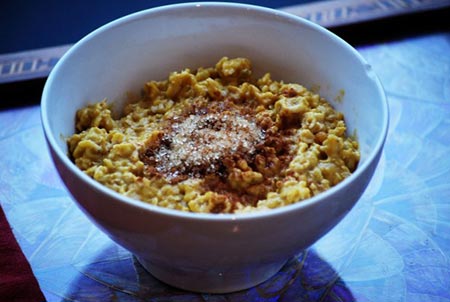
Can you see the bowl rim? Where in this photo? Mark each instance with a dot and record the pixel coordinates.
(253, 215)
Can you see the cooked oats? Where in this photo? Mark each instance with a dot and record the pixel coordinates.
(215, 140)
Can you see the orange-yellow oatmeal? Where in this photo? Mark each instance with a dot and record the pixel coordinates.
(216, 140)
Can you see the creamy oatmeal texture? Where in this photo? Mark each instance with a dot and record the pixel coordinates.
(215, 140)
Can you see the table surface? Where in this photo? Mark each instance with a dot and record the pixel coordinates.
(393, 246)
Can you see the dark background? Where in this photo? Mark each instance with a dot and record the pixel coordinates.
(27, 25)
(31, 24)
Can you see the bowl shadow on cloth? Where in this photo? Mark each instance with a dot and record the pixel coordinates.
(306, 277)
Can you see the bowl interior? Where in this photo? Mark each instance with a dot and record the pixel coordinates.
(121, 56)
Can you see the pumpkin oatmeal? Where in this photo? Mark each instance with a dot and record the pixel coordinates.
(215, 140)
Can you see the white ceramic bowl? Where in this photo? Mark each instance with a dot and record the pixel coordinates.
(208, 252)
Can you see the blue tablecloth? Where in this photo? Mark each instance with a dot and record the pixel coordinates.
(393, 246)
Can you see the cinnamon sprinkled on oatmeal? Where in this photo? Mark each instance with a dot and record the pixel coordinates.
(217, 141)
(196, 146)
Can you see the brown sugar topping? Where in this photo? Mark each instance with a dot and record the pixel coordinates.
(223, 144)
(196, 145)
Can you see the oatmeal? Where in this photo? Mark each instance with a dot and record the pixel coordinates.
(216, 140)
